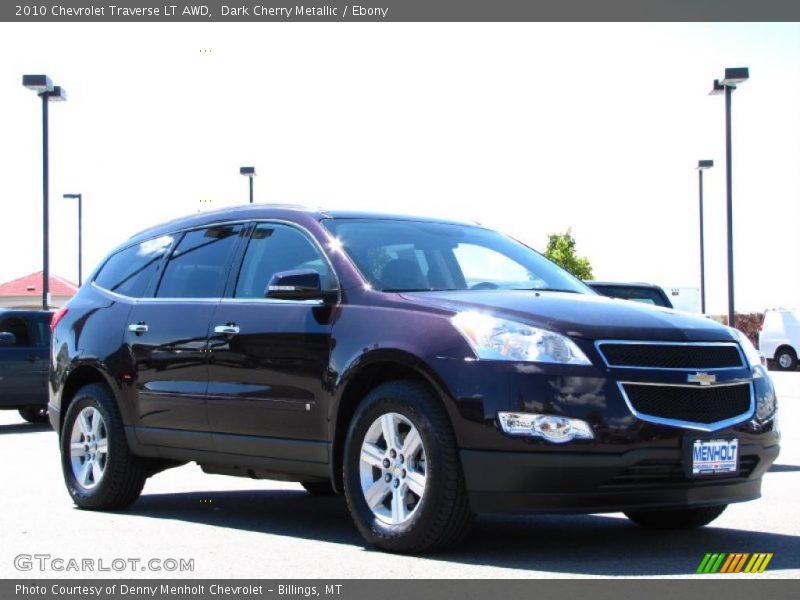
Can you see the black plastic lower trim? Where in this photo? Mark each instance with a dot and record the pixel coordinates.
(584, 483)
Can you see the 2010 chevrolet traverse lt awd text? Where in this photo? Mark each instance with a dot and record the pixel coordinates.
(426, 369)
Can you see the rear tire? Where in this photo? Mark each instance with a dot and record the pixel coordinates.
(418, 503)
(34, 414)
(687, 518)
(99, 470)
(786, 359)
(319, 488)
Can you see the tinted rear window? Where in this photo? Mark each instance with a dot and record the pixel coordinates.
(129, 271)
(198, 267)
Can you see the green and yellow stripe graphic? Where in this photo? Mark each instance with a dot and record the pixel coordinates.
(734, 562)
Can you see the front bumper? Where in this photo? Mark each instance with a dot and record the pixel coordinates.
(646, 478)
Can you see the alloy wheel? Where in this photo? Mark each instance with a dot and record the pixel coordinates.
(393, 468)
(89, 447)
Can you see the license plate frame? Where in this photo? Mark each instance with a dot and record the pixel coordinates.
(711, 464)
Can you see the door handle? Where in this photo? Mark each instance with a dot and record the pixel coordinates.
(227, 329)
(138, 328)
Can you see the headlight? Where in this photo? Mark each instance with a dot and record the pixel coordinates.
(500, 339)
(550, 427)
(751, 354)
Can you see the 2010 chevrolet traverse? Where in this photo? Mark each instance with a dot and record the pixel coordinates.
(426, 369)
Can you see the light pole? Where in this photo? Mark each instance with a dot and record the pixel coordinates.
(249, 172)
(44, 88)
(702, 165)
(733, 77)
(79, 197)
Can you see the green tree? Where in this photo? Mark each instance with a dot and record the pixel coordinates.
(561, 250)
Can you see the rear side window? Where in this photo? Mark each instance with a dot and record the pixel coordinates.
(275, 248)
(19, 327)
(198, 267)
(129, 271)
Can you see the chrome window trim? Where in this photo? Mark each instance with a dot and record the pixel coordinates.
(311, 302)
(708, 427)
(599, 343)
(222, 299)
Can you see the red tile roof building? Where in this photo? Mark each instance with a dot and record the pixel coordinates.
(26, 292)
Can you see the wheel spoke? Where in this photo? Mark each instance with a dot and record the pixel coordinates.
(389, 429)
(102, 446)
(97, 472)
(376, 494)
(399, 508)
(416, 482)
(84, 424)
(412, 443)
(371, 454)
(83, 476)
(97, 420)
(77, 449)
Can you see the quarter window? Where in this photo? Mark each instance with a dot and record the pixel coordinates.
(129, 271)
(198, 266)
(19, 328)
(275, 248)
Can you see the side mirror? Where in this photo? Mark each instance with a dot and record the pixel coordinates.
(7, 339)
(302, 284)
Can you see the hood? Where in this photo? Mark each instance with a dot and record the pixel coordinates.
(587, 316)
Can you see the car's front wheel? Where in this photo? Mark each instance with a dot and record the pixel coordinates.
(687, 518)
(99, 470)
(786, 359)
(34, 414)
(402, 476)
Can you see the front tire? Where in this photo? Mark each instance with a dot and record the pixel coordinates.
(99, 470)
(786, 359)
(34, 414)
(687, 518)
(402, 476)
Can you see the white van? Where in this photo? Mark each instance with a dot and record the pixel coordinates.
(779, 338)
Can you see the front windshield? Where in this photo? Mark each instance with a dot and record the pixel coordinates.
(405, 256)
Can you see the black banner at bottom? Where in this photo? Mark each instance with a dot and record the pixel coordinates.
(733, 588)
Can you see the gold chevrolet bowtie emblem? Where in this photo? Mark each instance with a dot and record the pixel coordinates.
(702, 378)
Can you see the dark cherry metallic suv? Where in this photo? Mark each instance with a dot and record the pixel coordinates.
(425, 369)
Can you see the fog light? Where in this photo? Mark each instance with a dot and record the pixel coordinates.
(550, 427)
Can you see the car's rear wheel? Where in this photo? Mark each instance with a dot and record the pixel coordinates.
(687, 518)
(402, 477)
(319, 488)
(786, 359)
(34, 414)
(99, 470)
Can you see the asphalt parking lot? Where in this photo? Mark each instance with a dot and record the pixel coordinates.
(234, 527)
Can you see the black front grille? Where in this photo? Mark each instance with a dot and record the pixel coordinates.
(671, 356)
(703, 405)
(670, 471)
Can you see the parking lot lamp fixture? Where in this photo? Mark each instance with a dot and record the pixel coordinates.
(79, 198)
(249, 172)
(702, 166)
(44, 88)
(733, 77)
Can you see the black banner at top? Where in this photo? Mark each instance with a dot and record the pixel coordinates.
(397, 10)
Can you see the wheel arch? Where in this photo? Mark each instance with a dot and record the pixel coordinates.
(82, 375)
